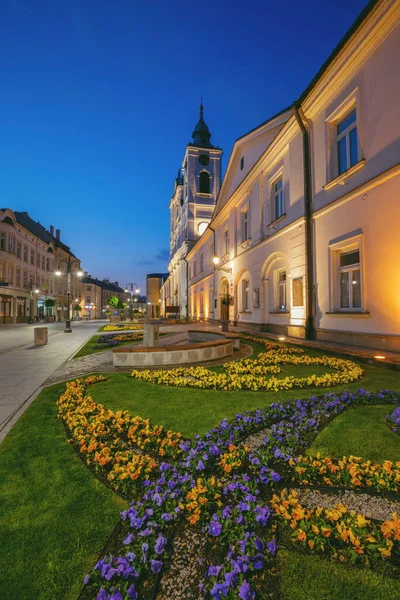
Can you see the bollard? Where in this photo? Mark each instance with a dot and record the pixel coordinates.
(40, 336)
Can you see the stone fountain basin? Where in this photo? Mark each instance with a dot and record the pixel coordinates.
(150, 356)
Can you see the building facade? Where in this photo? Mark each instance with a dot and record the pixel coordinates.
(191, 208)
(29, 257)
(307, 214)
(96, 294)
(155, 290)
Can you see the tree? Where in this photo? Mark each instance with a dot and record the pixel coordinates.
(116, 303)
(77, 308)
(49, 303)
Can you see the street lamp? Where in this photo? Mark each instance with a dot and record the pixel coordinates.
(31, 290)
(132, 285)
(68, 273)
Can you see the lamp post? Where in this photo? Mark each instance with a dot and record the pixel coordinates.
(68, 273)
(37, 291)
(131, 285)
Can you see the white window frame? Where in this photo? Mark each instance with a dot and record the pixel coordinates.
(350, 103)
(10, 243)
(245, 223)
(201, 262)
(275, 194)
(355, 243)
(245, 295)
(346, 135)
(281, 285)
(226, 240)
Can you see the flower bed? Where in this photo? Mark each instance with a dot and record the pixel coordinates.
(120, 448)
(348, 472)
(123, 327)
(216, 484)
(338, 533)
(258, 374)
(394, 420)
(115, 339)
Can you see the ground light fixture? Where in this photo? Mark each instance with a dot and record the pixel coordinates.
(379, 357)
(216, 260)
(281, 339)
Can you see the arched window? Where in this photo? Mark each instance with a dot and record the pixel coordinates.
(204, 182)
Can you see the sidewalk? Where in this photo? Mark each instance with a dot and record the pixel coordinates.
(24, 369)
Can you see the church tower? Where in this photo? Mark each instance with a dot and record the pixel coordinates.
(192, 205)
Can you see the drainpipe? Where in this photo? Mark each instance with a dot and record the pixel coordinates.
(187, 289)
(308, 217)
(212, 258)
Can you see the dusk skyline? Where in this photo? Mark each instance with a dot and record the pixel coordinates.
(98, 105)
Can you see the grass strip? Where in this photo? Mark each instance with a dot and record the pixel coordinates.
(55, 516)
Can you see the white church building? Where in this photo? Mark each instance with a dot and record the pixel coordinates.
(191, 208)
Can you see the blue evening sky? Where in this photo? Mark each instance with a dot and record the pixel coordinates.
(99, 99)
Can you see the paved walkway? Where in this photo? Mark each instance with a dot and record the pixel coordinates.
(24, 368)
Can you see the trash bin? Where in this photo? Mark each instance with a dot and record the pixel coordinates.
(40, 336)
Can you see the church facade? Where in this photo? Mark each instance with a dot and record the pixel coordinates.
(191, 209)
(304, 231)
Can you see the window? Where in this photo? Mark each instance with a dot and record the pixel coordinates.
(26, 253)
(242, 163)
(1, 272)
(278, 202)
(245, 294)
(18, 249)
(282, 290)
(32, 257)
(87, 299)
(88, 288)
(350, 280)
(11, 243)
(38, 259)
(2, 241)
(245, 225)
(10, 274)
(201, 262)
(226, 241)
(43, 263)
(18, 276)
(47, 264)
(204, 182)
(201, 301)
(25, 278)
(347, 142)
(194, 269)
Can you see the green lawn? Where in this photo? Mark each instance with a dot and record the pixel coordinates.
(306, 577)
(194, 410)
(360, 431)
(89, 347)
(55, 517)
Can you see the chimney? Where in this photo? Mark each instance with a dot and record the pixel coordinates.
(58, 234)
(116, 283)
(52, 230)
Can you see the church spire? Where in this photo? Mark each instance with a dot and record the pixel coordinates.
(201, 134)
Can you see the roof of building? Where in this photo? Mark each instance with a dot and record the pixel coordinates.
(39, 231)
(201, 134)
(104, 284)
(353, 28)
(162, 276)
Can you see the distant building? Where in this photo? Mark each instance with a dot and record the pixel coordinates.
(29, 257)
(191, 208)
(95, 296)
(154, 283)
